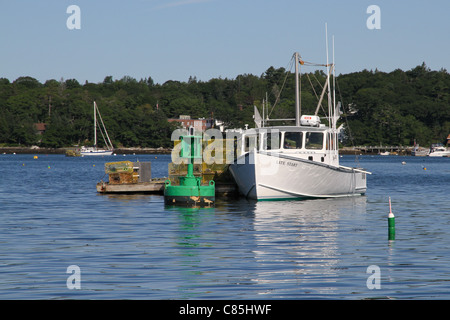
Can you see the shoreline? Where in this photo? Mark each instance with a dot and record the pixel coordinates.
(34, 150)
(160, 150)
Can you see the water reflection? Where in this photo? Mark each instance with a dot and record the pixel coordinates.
(190, 261)
(278, 248)
(298, 244)
(132, 246)
(129, 197)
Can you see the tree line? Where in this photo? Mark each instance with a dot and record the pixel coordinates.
(395, 108)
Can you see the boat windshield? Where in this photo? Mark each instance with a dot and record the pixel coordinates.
(314, 140)
(293, 140)
(251, 141)
(272, 141)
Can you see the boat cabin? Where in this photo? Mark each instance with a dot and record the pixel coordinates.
(305, 142)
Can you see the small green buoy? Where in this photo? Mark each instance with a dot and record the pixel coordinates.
(391, 222)
(190, 192)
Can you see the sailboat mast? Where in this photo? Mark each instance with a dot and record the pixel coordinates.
(297, 93)
(95, 126)
(107, 143)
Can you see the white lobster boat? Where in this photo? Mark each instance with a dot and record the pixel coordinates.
(295, 162)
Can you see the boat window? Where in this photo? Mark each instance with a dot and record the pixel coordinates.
(251, 142)
(293, 140)
(314, 140)
(272, 140)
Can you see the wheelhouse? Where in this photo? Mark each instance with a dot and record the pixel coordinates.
(309, 143)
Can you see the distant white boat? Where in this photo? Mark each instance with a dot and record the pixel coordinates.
(298, 161)
(438, 150)
(385, 153)
(94, 151)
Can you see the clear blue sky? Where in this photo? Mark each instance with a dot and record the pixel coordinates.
(175, 39)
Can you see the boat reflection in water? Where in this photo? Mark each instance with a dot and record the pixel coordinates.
(297, 243)
(264, 249)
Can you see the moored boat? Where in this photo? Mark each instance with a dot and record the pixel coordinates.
(298, 161)
(94, 150)
(438, 150)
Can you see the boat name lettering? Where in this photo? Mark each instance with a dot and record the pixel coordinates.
(287, 163)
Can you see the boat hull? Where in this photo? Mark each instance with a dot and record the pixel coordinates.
(439, 154)
(96, 153)
(265, 176)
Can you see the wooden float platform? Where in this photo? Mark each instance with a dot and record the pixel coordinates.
(141, 187)
(156, 186)
(128, 177)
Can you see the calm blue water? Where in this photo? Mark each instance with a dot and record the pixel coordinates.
(132, 247)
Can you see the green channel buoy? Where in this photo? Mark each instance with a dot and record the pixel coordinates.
(190, 192)
(391, 222)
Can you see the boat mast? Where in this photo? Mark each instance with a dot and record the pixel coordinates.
(267, 107)
(335, 114)
(263, 113)
(297, 93)
(95, 126)
(328, 79)
(107, 143)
